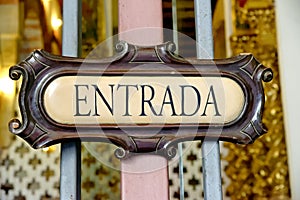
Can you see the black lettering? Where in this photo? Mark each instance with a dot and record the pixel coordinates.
(78, 100)
(170, 102)
(183, 113)
(144, 100)
(127, 97)
(110, 107)
(214, 102)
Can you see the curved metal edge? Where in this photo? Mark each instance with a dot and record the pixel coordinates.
(258, 73)
(15, 125)
(166, 53)
(27, 128)
(163, 53)
(128, 53)
(124, 52)
(163, 147)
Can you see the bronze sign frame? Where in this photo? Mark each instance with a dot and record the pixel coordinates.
(40, 68)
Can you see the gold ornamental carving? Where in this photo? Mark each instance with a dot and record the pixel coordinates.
(259, 170)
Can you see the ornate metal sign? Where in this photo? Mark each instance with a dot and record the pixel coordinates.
(143, 99)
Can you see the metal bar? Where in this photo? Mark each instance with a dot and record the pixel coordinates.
(228, 26)
(70, 167)
(181, 175)
(211, 170)
(71, 34)
(175, 25)
(203, 22)
(70, 163)
(108, 5)
(175, 40)
(210, 149)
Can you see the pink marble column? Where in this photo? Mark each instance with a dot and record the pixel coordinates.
(143, 176)
(140, 21)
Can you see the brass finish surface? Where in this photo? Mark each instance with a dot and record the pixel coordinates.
(259, 170)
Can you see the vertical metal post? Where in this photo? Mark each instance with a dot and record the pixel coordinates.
(175, 40)
(228, 26)
(70, 164)
(175, 26)
(181, 177)
(210, 149)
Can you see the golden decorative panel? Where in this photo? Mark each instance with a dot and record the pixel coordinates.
(259, 170)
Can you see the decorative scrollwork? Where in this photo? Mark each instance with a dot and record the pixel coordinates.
(260, 170)
(41, 129)
(15, 126)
